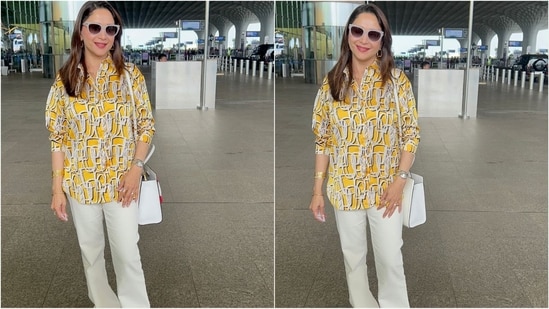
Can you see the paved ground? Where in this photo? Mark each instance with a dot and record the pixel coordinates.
(215, 246)
(484, 244)
(485, 240)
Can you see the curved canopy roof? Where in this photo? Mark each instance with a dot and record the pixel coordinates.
(164, 14)
(426, 17)
(405, 17)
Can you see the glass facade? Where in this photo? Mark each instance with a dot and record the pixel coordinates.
(289, 34)
(20, 34)
(57, 24)
(318, 26)
(37, 34)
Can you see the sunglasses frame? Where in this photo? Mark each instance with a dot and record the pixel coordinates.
(103, 27)
(365, 32)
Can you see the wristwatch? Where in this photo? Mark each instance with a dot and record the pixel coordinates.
(403, 174)
(138, 163)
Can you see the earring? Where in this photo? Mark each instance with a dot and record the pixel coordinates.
(82, 44)
(379, 53)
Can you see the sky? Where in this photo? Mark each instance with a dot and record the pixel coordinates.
(136, 37)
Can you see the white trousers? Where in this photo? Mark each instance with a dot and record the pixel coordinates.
(386, 234)
(122, 229)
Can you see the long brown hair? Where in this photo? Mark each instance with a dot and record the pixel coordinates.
(336, 78)
(69, 72)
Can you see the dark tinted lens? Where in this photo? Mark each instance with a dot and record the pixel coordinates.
(112, 30)
(374, 35)
(94, 28)
(356, 31)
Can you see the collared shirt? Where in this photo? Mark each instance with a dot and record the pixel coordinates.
(95, 130)
(360, 135)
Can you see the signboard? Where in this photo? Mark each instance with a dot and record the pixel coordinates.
(432, 42)
(483, 47)
(200, 41)
(515, 44)
(170, 35)
(456, 33)
(451, 50)
(252, 34)
(463, 49)
(189, 42)
(219, 39)
(192, 25)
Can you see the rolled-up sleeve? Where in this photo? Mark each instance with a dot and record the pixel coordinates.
(410, 127)
(145, 119)
(56, 121)
(321, 121)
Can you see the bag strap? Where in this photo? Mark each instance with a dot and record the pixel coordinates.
(397, 103)
(134, 117)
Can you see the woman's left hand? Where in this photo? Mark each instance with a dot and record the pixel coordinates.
(391, 199)
(128, 190)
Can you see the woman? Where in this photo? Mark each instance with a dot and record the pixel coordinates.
(97, 161)
(357, 136)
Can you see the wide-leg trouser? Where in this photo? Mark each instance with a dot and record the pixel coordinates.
(122, 229)
(386, 234)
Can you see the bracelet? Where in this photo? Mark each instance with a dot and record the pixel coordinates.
(318, 194)
(54, 193)
(320, 175)
(57, 173)
(403, 174)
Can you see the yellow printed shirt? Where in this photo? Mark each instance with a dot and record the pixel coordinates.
(361, 137)
(95, 130)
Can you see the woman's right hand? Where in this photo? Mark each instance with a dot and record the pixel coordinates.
(59, 206)
(317, 207)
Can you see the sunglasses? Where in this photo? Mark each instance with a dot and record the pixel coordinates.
(357, 32)
(94, 28)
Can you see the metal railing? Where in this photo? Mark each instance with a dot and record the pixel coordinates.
(493, 74)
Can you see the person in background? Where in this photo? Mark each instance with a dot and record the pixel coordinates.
(425, 65)
(357, 137)
(162, 58)
(97, 160)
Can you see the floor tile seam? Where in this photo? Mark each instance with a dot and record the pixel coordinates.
(524, 286)
(31, 204)
(516, 279)
(310, 290)
(486, 211)
(220, 202)
(197, 295)
(263, 278)
(50, 285)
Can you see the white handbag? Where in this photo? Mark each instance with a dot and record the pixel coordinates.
(413, 202)
(150, 193)
(413, 196)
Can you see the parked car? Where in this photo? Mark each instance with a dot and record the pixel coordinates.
(260, 52)
(531, 63)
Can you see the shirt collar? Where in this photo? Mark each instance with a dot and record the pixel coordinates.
(374, 66)
(105, 63)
